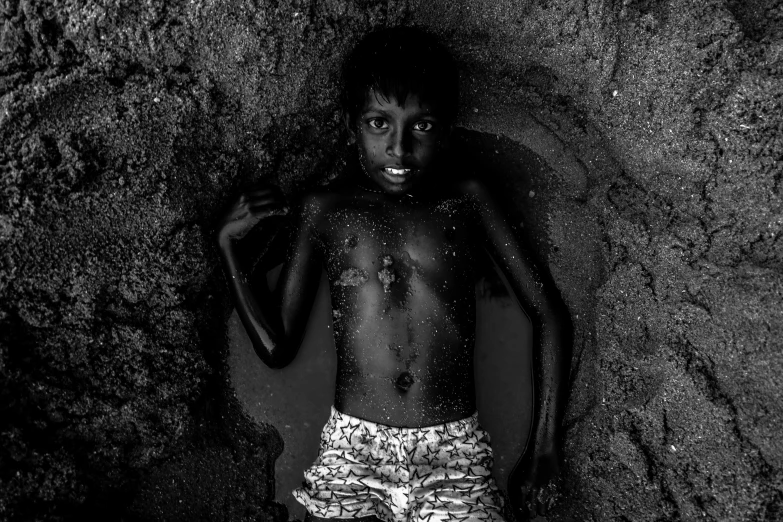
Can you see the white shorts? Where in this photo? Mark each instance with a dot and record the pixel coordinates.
(435, 473)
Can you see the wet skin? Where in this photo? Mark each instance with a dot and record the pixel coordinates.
(402, 282)
(401, 248)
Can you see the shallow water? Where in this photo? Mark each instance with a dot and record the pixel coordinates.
(297, 399)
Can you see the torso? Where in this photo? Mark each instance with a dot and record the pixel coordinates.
(402, 281)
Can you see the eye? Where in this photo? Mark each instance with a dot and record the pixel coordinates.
(377, 123)
(423, 126)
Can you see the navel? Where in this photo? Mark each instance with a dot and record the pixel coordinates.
(404, 381)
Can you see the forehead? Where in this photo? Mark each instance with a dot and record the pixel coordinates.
(377, 101)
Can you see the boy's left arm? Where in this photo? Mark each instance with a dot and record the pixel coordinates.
(533, 483)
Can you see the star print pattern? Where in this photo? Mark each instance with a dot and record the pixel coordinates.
(432, 474)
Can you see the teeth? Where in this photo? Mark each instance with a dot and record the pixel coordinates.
(397, 172)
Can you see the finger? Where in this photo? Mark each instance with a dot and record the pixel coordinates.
(268, 206)
(551, 497)
(550, 502)
(266, 193)
(267, 211)
(263, 192)
(250, 198)
(255, 206)
(544, 496)
(527, 512)
(541, 508)
(535, 502)
(530, 505)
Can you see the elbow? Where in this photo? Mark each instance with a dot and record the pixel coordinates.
(274, 357)
(275, 350)
(277, 364)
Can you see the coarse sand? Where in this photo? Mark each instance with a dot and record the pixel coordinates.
(656, 132)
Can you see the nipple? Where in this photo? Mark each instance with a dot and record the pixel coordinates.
(404, 381)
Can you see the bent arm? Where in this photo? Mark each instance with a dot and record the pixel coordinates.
(275, 320)
(552, 330)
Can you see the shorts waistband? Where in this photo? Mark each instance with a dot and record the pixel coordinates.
(455, 428)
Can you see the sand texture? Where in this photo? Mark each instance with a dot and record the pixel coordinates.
(656, 128)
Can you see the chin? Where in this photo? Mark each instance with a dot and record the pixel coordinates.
(396, 189)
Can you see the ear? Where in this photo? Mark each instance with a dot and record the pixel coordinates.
(350, 127)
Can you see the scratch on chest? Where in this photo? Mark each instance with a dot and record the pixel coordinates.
(386, 275)
(350, 243)
(352, 277)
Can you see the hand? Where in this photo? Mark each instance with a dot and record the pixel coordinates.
(248, 209)
(535, 485)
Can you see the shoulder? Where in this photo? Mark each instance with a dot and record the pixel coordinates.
(314, 203)
(475, 191)
(485, 205)
(471, 186)
(317, 204)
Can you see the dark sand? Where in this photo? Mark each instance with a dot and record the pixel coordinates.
(124, 127)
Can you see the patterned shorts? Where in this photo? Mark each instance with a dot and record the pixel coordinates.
(436, 473)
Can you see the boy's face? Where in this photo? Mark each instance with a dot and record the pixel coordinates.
(398, 145)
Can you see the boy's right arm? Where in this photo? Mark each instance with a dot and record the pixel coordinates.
(275, 321)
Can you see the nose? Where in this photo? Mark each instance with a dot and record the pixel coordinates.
(399, 143)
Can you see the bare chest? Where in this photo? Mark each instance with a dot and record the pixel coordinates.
(432, 242)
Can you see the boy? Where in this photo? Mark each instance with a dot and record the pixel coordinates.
(400, 241)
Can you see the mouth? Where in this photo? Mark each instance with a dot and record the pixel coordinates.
(397, 175)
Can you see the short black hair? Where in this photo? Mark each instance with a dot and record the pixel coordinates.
(399, 62)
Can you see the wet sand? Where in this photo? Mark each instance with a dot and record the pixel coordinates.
(653, 129)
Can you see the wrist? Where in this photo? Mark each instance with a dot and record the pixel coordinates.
(545, 442)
